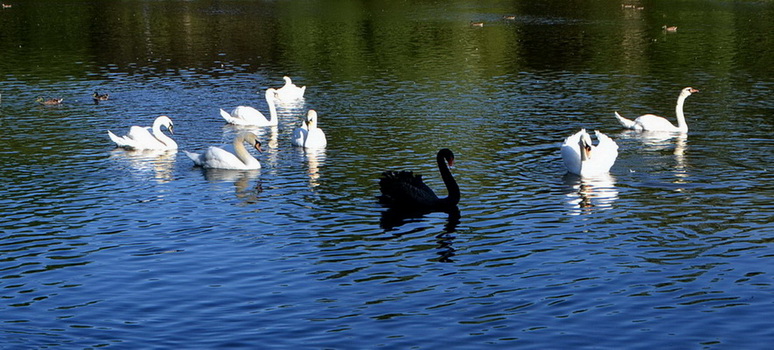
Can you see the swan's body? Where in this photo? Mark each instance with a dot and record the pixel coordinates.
(244, 115)
(140, 138)
(219, 158)
(406, 191)
(584, 159)
(308, 135)
(289, 91)
(650, 122)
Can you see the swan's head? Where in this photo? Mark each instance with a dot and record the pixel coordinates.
(311, 119)
(165, 121)
(271, 93)
(447, 155)
(688, 91)
(252, 140)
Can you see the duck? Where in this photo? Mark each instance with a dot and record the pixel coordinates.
(584, 159)
(147, 138)
(651, 122)
(289, 91)
(245, 115)
(669, 29)
(100, 97)
(476, 24)
(219, 158)
(308, 135)
(50, 101)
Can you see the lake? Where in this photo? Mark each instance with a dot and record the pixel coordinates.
(106, 248)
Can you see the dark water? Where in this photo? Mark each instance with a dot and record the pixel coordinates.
(108, 248)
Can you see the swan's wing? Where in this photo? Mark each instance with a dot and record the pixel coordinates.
(299, 136)
(120, 141)
(607, 152)
(571, 157)
(606, 142)
(141, 138)
(315, 139)
(404, 187)
(651, 122)
(216, 157)
(571, 153)
(246, 115)
(290, 92)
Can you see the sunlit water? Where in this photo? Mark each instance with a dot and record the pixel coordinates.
(108, 248)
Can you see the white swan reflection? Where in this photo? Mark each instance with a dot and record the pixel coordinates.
(590, 193)
(314, 159)
(242, 180)
(659, 141)
(157, 163)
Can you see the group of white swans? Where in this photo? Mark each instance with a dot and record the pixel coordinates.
(583, 158)
(400, 189)
(306, 135)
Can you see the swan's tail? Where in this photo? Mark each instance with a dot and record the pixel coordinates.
(629, 124)
(120, 141)
(195, 157)
(226, 116)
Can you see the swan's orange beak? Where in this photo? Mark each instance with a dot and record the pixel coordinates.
(694, 90)
(258, 146)
(587, 149)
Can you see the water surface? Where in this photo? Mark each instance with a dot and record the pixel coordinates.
(108, 248)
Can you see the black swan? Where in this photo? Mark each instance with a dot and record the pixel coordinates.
(406, 191)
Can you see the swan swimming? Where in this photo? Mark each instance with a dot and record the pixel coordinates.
(406, 191)
(308, 135)
(245, 115)
(289, 91)
(651, 122)
(584, 159)
(219, 158)
(140, 138)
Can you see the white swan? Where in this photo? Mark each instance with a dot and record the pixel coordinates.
(650, 122)
(290, 91)
(582, 158)
(219, 158)
(140, 137)
(308, 135)
(244, 115)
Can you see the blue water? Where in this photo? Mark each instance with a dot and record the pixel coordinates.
(107, 248)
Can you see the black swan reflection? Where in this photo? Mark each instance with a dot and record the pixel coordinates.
(405, 191)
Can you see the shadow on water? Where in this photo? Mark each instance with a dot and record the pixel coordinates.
(393, 218)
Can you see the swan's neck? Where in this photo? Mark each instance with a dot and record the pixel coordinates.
(242, 153)
(584, 153)
(272, 107)
(681, 125)
(451, 185)
(159, 135)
